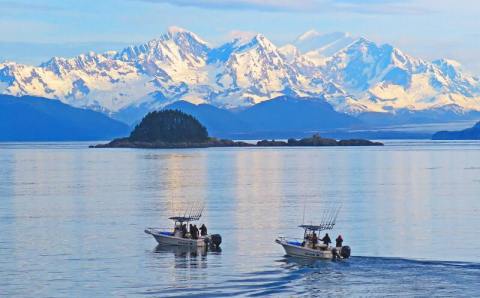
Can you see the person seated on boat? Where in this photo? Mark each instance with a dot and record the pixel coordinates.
(339, 241)
(177, 230)
(314, 240)
(326, 240)
(203, 230)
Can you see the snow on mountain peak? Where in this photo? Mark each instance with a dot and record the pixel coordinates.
(290, 52)
(262, 41)
(450, 67)
(176, 29)
(176, 32)
(241, 45)
(449, 62)
(308, 35)
(323, 44)
(237, 45)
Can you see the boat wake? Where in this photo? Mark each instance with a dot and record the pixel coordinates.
(366, 276)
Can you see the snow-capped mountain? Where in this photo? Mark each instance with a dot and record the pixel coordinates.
(91, 80)
(355, 75)
(384, 78)
(257, 71)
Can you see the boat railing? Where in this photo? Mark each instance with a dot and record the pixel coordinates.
(290, 238)
(159, 229)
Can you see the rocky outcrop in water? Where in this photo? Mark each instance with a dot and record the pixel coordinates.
(317, 140)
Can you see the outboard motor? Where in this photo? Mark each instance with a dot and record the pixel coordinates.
(215, 240)
(345, 252)
(207, 241)
(335, 254)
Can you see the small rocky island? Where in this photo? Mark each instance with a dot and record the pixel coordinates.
(175, 129)
(472, 133)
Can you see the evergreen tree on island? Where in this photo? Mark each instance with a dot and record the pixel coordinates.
(169, 126)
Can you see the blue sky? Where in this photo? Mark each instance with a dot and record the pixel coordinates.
(426, 28)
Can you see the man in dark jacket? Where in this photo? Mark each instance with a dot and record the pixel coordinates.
(339, 241)
(314, 240)
(195, 232)
(326, 240)
(203, 230)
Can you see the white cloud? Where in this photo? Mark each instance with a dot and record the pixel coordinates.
(19, 6)
(261, 5)
(305, 6)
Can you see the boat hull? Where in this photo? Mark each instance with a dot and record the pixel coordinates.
(167, 239)
(296, 250)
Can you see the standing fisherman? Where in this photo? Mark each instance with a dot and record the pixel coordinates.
(326, 240)
(194, 232)
(339, 241)
(314, 240)
(203, 230)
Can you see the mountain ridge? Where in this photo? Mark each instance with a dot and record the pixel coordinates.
(472, 133)
(38, 119)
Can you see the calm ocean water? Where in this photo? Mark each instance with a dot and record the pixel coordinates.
(72, 220)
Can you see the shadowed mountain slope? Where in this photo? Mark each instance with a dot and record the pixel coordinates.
(30, 118)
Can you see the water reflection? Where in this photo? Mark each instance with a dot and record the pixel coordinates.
(185, 257)
(258, 197)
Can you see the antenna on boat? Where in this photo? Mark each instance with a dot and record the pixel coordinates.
(331, 217)
(327, 220)
(303, 218)
(192, 213)
(304, 205)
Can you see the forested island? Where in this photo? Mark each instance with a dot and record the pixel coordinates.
(175, 129)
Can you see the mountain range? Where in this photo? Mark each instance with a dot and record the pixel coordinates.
(354, 76)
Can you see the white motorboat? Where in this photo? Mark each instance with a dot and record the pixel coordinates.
(309, 247)
(171, 238)
(180, 236)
